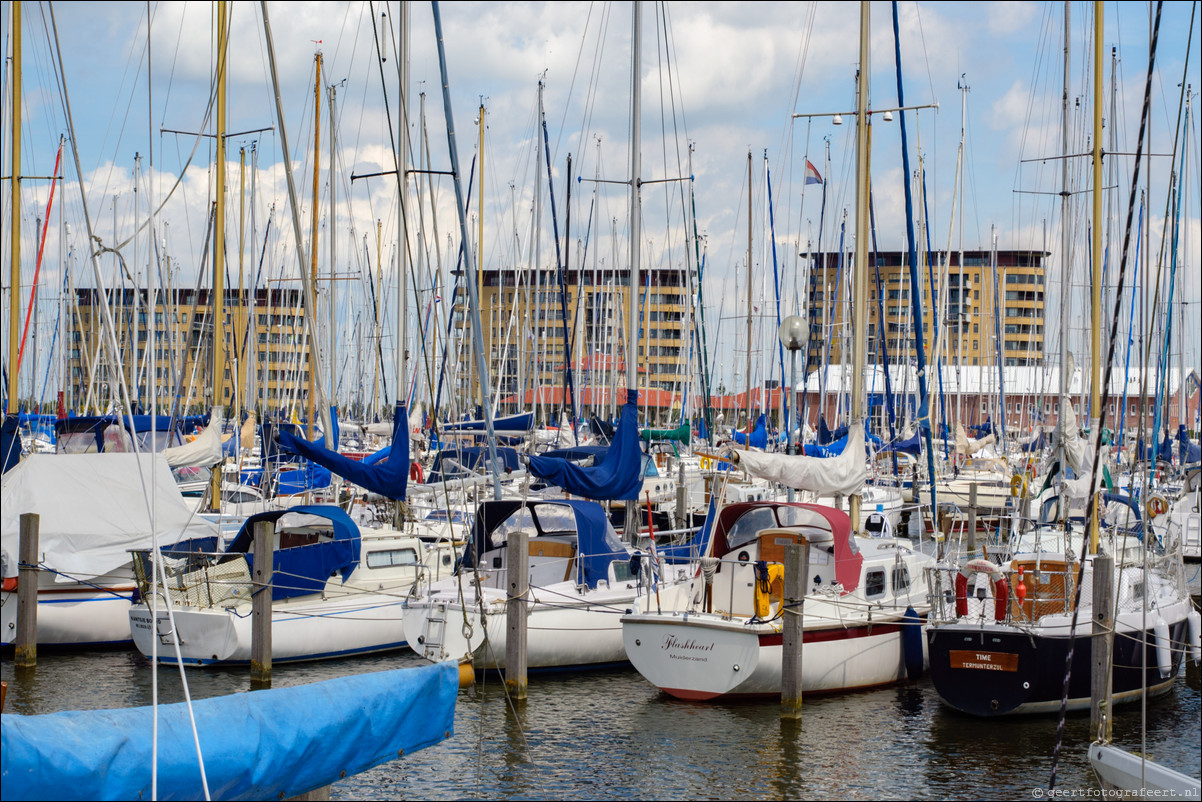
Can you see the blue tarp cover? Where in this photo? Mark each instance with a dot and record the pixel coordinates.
(614, 477)
(390, 479)
(301, 570)
(268, 744)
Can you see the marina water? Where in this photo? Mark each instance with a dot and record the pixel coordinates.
(611, 735)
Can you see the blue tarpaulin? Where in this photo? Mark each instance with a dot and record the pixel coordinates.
(269, 744)
(617, 476)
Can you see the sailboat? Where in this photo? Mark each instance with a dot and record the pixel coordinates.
(1000, 637)
(861, 613)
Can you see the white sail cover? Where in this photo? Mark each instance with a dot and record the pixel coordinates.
(203, 452)
(825, 476)
(94, 509)
(1077, 452)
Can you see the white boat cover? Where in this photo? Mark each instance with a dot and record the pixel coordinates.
(844, 474)
(94, 509)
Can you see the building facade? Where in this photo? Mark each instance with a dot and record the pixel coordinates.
(962, 311)
(266, 349)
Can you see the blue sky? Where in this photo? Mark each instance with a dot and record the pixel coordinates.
(724, 78)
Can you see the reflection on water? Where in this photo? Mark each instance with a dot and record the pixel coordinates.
(612, 736)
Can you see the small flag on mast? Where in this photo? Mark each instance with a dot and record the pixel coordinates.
(812, 176)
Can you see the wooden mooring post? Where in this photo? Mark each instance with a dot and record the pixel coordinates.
(1101, 646)
(797, 579)
(25, 644)
(517, 560)
(260, 638)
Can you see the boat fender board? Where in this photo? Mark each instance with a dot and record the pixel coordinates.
(269, 744)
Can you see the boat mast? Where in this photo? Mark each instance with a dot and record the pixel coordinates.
(311, 312)
(860, 265)
(14, 237)
(1064, 249)
(1095, 310)
(636, 210)
(747, 382)
(219, 252)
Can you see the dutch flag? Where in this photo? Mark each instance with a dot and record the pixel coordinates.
(812, 176)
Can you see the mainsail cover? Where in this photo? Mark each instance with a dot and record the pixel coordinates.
(270, 744)
(389, 478)
(616, 476)
(843, 474)
(202, 452)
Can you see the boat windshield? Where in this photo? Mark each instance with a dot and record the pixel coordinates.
(749, 525)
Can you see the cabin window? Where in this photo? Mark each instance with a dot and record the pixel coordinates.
(749, 525)
(391, 557)
(901, 578)
(874, 585)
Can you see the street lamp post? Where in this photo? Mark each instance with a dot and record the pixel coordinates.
(793, 333)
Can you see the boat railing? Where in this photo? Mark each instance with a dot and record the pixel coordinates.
(195, 579)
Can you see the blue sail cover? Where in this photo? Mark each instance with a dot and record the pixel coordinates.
(983, 430)
(911, 446)
(758, 437)
(604, 430)
(10, 443)
(836, 448)
(301, 570)
(270, 744)
(1187, 452)
(1036, 443)
(389, 479)
(514, 423)
(617, 476)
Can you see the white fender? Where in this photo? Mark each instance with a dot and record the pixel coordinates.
(1164, 647)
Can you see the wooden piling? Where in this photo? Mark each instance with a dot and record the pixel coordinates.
(260, 638)
(1101, 646)
(26, 641)
(517, 559)
(797, 565)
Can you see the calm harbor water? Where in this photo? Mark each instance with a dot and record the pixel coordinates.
(610, 735)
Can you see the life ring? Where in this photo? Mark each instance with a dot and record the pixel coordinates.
(706, 463)
(1001, 588)
(766, 576)
(1157, 505)
(1018, 485)
(415, 472)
